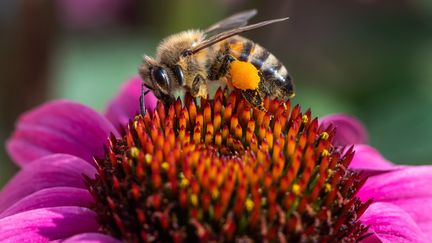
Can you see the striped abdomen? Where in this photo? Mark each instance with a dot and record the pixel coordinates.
(277, 81)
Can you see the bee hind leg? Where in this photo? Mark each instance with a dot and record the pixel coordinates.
(254, 98)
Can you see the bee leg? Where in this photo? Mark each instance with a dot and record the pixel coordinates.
(254, 98)
(222, 69)
(198, 86)
(142, 100)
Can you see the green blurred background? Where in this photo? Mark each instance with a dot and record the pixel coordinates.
(371, 59)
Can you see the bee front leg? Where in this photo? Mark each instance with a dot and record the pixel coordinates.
(199, 87)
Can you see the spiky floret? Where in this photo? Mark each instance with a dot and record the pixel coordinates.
(222, 171)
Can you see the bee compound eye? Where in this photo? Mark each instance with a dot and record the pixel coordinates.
(161, 77)
(179, 74)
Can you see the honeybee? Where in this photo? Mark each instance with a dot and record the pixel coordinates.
(199, 62)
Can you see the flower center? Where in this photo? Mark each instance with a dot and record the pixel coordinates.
(222, 171)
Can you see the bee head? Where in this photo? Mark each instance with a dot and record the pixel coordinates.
(161, 79)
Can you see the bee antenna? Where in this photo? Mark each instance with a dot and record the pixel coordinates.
(147, 59)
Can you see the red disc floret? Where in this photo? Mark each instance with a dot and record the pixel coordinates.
(219, 170)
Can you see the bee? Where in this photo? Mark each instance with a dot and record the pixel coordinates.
(199, 62)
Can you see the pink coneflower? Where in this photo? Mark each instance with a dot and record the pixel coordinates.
(214, 172)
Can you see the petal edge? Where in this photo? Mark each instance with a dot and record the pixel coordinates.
(42, 225)
(47, 172)
(349, 130)
(59, 127)
(125, 105)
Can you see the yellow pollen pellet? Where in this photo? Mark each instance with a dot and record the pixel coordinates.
(244, 75)
(324, 136)
(249, 204)
(305, 119)
(134, 152)
(327, 187)
(296, 189)
(148, 158)
(325, 153)
(194, 200)
(165, 166)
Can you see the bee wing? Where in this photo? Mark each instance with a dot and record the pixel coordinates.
(231, 22)
(227, 34)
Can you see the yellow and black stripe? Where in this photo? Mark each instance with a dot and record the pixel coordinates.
(246, 51)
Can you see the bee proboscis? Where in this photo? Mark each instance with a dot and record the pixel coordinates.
(199, 62)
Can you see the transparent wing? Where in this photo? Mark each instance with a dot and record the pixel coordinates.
(227, 34)
(234, 21)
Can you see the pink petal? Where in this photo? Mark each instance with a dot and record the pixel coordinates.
(51, 197)
(50, 171)
(368, 158)
(92, 238)
(408, 188)
(59, 127)
(420, 210)
(390, 223)
(42, 225)
(349, 130)
(126, 104)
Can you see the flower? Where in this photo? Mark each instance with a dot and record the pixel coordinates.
(217, 172)
(55, 145)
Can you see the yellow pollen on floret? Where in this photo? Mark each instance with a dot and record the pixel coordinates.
(148, 158)
(194, 200)
(305, 119)
(244, 75)
(184, 182)
(134, 152)
(165, 166)
(215, 194)
(296, 189)
(135, 123)
(249, 204)
(325, 153)
(327, 187)
(324, 135)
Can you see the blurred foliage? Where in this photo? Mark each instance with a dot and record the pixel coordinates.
(103, 63)
(370, 59)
